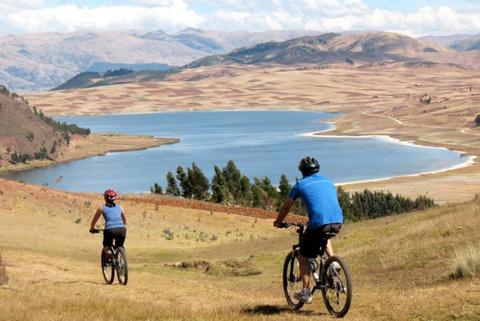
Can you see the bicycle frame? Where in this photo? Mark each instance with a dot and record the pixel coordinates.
(334, 283)
(312, 263)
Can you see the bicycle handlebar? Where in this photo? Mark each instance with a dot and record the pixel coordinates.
(287, 225)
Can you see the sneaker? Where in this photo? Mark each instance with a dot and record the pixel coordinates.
(303, 296)
(335, 268)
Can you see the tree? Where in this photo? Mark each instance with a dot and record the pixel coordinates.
(344, 201)
(184, 182)
(156, 189)
(271, 193)
(232, 178)
(198, 183)
(172, 187)
(245, 191)
(219, 186)
(258, 194)
(284, 187)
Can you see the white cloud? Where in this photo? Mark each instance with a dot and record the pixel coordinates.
(23, 3)
(8, 6)
(337, 15)
(72, 18)
(252, 15)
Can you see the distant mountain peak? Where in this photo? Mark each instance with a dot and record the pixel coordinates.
(190, 30)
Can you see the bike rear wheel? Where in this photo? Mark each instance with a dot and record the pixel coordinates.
(292, 281)
(107, 265)
(122, 266)
(337, 286)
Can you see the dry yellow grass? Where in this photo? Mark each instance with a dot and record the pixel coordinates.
(466, 262)
(400, 264)
(378, 100)
(3, 272)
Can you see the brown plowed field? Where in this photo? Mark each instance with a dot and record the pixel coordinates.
(207, 206)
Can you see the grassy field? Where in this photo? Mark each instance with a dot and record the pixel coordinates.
(401, 265)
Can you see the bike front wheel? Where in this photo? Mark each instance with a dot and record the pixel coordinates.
(292, 281)
(107, 265)
(337, 286)
(122, 266)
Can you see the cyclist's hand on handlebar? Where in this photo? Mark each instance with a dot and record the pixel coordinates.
(278, 224)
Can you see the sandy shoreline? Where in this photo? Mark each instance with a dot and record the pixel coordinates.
(91, 146)
(469, 160)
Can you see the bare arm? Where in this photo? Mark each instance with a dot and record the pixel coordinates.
(283, 212)
(95, 218)
(124, 218)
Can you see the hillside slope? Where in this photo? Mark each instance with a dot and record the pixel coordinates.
(401, 265)
(457, 42)
(23, 132)
(329, 48)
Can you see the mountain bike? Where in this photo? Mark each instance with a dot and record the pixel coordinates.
(114, 259)
(333, 280)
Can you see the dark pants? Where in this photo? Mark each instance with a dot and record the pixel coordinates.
(117, 234)
(314, 240)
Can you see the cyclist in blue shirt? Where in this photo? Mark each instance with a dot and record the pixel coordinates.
(324, 215)
(115, 220)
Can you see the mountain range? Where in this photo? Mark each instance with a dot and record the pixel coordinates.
(45, 60)
(359, 49)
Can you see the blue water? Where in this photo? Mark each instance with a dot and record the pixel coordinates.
(262, 143)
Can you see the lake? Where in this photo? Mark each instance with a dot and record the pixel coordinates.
(261, 143)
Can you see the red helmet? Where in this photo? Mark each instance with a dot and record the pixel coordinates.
(110, 195)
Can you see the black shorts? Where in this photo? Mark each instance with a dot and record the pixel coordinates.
(118, 234)
(313, 239)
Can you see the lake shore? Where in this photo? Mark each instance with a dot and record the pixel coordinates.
(82, 147)
(378, 100)
(469, 160)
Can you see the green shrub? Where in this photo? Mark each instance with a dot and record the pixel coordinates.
(16, 158)
(168, 234)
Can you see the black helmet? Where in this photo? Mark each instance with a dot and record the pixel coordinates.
(308, 166)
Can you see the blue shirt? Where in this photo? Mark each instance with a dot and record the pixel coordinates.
(113, 216)
(320, 197)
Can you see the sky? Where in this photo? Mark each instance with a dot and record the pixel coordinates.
(414, 18)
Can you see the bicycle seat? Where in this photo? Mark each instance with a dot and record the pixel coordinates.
(329, 235)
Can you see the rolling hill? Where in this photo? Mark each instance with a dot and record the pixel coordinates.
(324, 49)
(328, 48)
(402, 265)
(457, 42)
(26, 134)
(45, 60)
